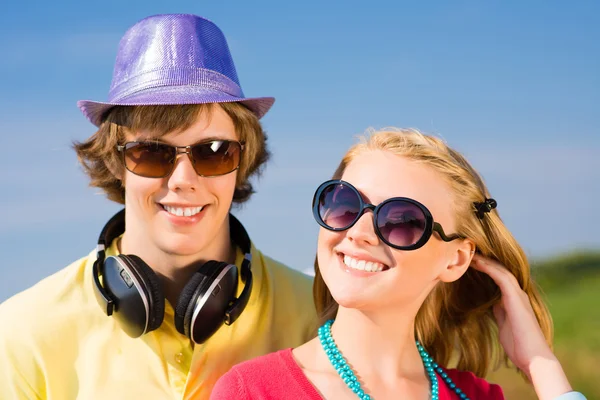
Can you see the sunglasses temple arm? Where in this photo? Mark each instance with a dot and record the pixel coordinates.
(438, 228)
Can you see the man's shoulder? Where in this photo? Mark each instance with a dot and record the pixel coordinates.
(48, 305)
(283, 271)
(288, 282)
(291, 296)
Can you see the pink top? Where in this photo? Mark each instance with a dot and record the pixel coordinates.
(278, 376)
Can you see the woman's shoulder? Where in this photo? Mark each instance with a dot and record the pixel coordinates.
(274, 375)
(267, 362)
(473, 386)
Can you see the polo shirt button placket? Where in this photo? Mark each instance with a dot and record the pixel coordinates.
(178, 374)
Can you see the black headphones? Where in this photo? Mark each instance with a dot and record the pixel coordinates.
(132, 292)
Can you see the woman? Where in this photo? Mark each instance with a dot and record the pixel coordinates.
(417, 270)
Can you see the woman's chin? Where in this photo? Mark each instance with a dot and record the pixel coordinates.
(353, 301)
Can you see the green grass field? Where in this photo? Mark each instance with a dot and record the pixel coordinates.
(571, 286)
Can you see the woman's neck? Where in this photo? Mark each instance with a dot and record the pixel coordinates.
(379, 345)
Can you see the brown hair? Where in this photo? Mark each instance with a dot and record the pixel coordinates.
(455, 322)
(103, 164)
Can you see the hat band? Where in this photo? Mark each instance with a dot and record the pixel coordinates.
(175, 77)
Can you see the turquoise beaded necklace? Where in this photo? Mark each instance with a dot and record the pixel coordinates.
(349, 377)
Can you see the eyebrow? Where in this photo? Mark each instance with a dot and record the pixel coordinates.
(203, 140)
(365, 198)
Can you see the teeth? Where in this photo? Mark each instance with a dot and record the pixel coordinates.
(183, 211)
(363, 265)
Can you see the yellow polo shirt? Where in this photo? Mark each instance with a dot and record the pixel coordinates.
(57, 344)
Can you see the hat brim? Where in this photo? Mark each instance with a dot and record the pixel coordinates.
(95, 111)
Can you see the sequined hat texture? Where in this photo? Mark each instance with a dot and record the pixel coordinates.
(172, 59)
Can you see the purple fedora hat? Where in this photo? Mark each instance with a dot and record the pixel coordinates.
(172, 59)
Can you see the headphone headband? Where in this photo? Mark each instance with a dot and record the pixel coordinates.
(240, 237)
(111, 230)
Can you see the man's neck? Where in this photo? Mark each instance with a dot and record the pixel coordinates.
(175, 270)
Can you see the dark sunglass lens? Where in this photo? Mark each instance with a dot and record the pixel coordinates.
(149, 159)
(401, 223)
(339, 206)
(218, 157)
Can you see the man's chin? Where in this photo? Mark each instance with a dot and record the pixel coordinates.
(183, 250)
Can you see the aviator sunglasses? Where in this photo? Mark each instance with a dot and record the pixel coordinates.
(400, 222)
(157, 160)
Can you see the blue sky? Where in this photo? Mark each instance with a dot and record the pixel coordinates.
(513, 85)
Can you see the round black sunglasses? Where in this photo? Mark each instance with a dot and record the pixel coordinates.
(400, 222)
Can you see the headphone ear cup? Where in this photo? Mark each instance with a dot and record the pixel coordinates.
(185, 299)
(152, 289)
(205, 299)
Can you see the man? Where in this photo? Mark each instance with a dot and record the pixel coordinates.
(175, 293)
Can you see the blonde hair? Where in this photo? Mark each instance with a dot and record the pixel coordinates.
(103, 164)
(455, 322)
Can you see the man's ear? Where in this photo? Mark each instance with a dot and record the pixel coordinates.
(459, 260)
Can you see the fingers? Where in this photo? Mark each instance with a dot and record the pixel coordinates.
(499, 314)
(500, 274)
(514, 299)
(515, 302)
